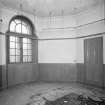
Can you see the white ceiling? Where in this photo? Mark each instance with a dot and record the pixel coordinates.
(51, 7)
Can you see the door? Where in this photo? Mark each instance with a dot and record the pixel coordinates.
(93, 54)
(0, 76)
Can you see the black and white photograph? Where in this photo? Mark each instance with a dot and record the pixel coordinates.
(52, 52)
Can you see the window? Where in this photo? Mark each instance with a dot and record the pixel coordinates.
(14, 49)
(19, 26)
(20, 41)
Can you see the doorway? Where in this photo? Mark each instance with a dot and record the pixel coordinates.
(0, 77)
(93, 58)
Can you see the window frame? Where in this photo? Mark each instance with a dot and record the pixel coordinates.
(21, 36)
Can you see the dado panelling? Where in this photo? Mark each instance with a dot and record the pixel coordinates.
(58, 72)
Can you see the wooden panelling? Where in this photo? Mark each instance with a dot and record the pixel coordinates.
(4, 78)
(22, 73)
(94, 61)
(104, 74)
(81, 73)
(0, 76)
(58, 72)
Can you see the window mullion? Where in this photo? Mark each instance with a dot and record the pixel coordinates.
(21, 50)
(21, 27)
(15, 50)
(8, 46)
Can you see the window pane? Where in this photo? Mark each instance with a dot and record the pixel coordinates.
(24, 29)
(29, 52)
(25, 46)
(12, 58)
(29, 58)
(16, 39)
(12, 38)
(17, 58)
(25, 40)
(25, 58)
(17, 46)
(29, 46)
(29, 29)
(29, 40)
(12, 51)
(17, 52)
(25, 52)
(18, 28)
(17, 21)
(12, 44)
(12, 26)
(24, 23)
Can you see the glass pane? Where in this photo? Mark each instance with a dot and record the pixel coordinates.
(25, 46)
(18, 24)
(17, 46)
(18, 28)
(27, 26)
(29, 52)
(29, 40)
(24, 29)
(12, 38)
(12, 44)
(25, 40)
(12, 51)
(25, 52)
(17, 21)
(12, 58)
(24, 23)
(12, 26)
(28, 29)
(25, 58)
(17, 58)
(17, 39)
(29, 46)
(29, 58)
(17, 52)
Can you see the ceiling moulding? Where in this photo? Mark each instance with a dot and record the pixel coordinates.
(72, 28)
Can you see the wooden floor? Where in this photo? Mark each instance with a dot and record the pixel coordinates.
(22, 94)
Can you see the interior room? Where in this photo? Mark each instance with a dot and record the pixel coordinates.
(52, 52)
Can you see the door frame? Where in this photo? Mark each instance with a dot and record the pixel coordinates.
(85, 79)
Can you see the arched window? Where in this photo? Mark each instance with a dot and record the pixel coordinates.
(20, 26)
(20, 40)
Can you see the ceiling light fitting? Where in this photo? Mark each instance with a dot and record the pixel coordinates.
(20, 7)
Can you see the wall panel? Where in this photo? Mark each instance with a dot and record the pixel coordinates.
(58, 72)
(22, 73)
(0, 76)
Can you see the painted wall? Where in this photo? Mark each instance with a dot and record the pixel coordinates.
(49, 29)
(16, 73)
(61, 60)
(57, 58)
(52, 27)
(57, 51)
(93, 14)
(52, 53)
